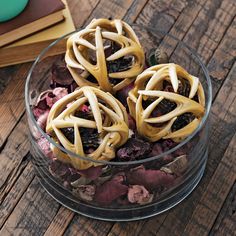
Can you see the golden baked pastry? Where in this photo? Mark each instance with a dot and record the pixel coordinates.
(147, 96)
(95, 132)
(99, 49)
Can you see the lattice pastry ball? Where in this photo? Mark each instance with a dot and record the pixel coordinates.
(106, 54)
(88, 122)
(166, 102)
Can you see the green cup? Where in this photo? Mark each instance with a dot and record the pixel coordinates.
(11, 8)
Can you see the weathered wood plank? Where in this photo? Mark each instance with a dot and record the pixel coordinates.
(9, 202)
(155, 13)
(129, 15)
(125, 228)
(222, 131)
(60, 222)
(33, 213)
(134, 10)
(13, 148)
(223, 128)
(111, 9)
(6, 76)
(81, 10)
(213, 198)
(12, 103)
(161, 14)
(223, 58)
(12, 98)
(84, 226)
(11, 157)
(225, 223)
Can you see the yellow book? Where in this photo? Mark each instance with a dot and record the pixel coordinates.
(28, 49)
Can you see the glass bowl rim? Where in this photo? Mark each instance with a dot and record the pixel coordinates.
(120, 163)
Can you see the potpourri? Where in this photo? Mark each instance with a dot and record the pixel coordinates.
(104, 105)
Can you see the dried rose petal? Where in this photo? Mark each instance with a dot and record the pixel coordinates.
(85, 192)
(42, 120)
(63, 171)
(167, 144)
(139, 194)
(85, 108)
(91, 173)
(45, 147)
(55, 95)
(46, 101)
(178, 166)
(119, 177)
(132, 124)
(37, 112)
(50, 99)
(58, 169)
(110, 191)
(123, 93)
(156, 149)
(60, 92)
(150, 179)
(60, 73)
(134, 149)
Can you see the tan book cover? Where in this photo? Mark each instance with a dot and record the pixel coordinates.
(28, 49)
(38, 15)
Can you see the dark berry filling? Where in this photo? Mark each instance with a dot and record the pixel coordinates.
(182, 121)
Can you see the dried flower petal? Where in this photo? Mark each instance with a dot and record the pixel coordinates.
(85, 192)
(178, 166)
(110, 191)
(122, 94)
(60, 73)
(150, 179)
(45, 147)
(58, 169)
(139, 194)
(42, 120)
(134, 149)
(91, 173)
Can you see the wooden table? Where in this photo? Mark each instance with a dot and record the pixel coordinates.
(208, 26)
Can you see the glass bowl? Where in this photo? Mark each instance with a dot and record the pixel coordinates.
(77, 189)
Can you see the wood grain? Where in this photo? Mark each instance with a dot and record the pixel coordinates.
(121, 12)
(178, 216)
(6, 76)
(169, 11)
(60, 222)
(223, 58)
(222, 130)
(33, 213)
(213, 198)
(225, 222)
(12, 156)
(12, 103)
(210, 28)
(81, 10)
(11, 199)
(112, 9)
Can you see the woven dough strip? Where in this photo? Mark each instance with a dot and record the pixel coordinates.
(91, 39)
(110, 121)
(149, 85)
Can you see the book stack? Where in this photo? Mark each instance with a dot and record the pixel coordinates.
(25, 36)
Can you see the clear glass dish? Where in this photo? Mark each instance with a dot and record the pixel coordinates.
(166, 193)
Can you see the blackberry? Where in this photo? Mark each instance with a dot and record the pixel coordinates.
(166, 106)
(182, 121)
(184, 88)
(69, 133)
(89, 137)
(84, 115)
